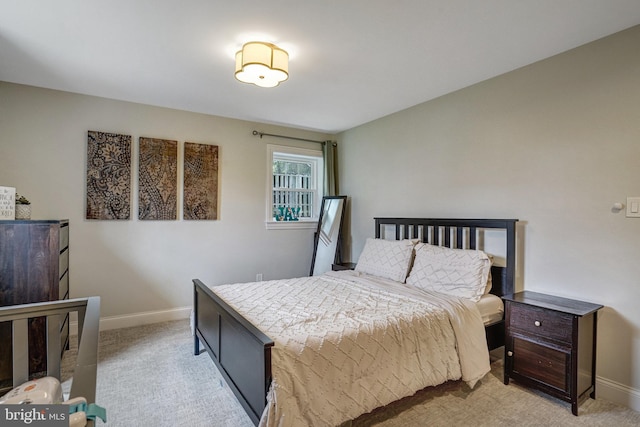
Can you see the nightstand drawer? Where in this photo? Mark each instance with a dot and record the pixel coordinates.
(541, 363)
(538, 321)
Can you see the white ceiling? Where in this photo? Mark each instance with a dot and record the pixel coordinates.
(352, 61)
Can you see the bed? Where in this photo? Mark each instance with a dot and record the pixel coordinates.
(230, 320)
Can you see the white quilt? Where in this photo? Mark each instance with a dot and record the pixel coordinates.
(347, 343)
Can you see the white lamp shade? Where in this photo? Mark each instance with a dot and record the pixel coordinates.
(262, 64)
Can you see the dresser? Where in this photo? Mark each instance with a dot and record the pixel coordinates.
(550, 345)
(34, 267)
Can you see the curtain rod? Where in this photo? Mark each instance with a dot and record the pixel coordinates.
(261, 134)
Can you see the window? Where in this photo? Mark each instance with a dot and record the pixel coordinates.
(294, 187)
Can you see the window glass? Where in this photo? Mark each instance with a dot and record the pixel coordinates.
(295, 187)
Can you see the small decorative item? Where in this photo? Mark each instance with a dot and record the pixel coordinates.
(7, 202)
(278, 213)
(23, 207)
(291, 214)
(287, 213)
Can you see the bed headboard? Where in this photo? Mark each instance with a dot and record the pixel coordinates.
(461, 234)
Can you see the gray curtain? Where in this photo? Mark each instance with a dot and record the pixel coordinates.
(330, 154)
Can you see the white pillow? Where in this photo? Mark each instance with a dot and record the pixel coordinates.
(460, 272)
(389, 259)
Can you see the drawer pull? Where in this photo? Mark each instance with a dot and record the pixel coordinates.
(537, 323)
(509, 353)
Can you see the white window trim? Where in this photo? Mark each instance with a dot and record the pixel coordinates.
(293, 151)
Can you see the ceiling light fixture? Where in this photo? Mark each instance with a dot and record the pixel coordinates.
(262, 64)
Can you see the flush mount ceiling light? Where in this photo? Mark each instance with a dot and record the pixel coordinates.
(262, 64)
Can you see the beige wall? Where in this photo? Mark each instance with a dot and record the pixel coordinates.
(146, 266)
(554, 144)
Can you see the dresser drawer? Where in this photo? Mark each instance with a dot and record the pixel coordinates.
(64, 237)
(546, 323)
(63, 262)
(541, 363)
(63, 287)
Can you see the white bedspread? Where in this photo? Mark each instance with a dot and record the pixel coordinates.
(346, 343)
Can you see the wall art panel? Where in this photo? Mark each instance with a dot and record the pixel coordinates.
(200, 181)
(158, 179)
(108, 176)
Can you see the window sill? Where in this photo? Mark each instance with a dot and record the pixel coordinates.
(291, 225)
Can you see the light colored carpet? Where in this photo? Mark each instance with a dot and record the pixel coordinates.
(148, 376)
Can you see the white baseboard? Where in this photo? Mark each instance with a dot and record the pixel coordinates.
(617, 393)
(136, 319)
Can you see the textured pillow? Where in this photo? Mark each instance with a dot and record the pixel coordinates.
(389, 259)
(460, 272)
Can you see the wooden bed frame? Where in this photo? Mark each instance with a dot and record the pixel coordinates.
(242, 352)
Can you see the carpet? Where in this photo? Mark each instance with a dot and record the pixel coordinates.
(148, 376)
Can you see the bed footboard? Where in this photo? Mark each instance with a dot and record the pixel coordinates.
(241, 351)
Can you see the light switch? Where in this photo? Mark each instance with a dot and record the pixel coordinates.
(633, 207)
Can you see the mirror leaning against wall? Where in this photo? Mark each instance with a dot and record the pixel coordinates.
(327, 237)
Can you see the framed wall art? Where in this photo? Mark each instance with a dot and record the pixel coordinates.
(108, 176)
(157, 179)
(200, 182)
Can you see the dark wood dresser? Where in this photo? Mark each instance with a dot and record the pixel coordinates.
(550, 345)
(34, 267)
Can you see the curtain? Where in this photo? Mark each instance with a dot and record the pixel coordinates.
(330, 154)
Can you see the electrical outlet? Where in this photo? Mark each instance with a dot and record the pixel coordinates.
(259, 277)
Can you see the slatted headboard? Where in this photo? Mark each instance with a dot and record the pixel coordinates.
(462, 234)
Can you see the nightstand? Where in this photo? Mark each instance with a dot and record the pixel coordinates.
(550, 345)
(343, 266)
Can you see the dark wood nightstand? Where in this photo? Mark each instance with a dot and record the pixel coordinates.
(550, 345)
(343, 266)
